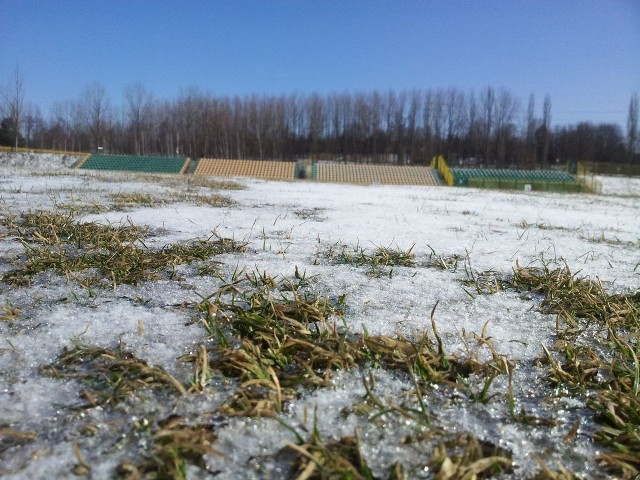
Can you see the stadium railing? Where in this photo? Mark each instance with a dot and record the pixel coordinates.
(440, 164)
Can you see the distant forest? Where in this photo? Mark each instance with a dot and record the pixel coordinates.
(491, 127)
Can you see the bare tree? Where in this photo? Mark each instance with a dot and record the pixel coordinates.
(546, 125)
(95, 111)
(415, 104)
(488, 105)
(437, 120)
(530, 142)
(334, 106)
(396, 125)
(139, 102)
(633, 132)
(506, 108)
(13, 100)
(360, 127)
(454, 120)
(33, 124)
(405, 125)
(346, 115)
(427, 114)
(316, 122)
(65, 124)
(188, 110)
(473, 127)
(378, 142)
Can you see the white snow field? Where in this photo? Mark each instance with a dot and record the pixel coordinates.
(48, 430)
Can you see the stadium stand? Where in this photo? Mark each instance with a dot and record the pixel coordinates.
(463, 175)
(500, 178)
(272, 170)
(537, 180)
(365, 174)
(132, 163)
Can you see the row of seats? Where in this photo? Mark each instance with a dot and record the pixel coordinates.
(462, 175)
(361, 174)
(133, 163)
(219, 167)
(364, 174)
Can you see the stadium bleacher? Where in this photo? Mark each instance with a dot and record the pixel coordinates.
(267, 169)
(540, 180)
(360, 174)
(366, 174)
(348, 173)
(133, 163)
(462, 175)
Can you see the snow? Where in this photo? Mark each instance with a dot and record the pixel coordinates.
(49, 161)
(618, 185)
(288, 225)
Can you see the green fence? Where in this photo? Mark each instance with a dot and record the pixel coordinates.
(596, 168)
(523, 185)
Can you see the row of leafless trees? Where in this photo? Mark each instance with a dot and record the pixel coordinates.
(488, 127)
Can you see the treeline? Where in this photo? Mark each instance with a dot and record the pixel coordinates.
(490, 127)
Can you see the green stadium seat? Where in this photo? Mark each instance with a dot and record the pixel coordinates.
(132, 163)
(563, 181)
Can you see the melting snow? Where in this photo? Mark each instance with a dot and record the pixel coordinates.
(289, 225)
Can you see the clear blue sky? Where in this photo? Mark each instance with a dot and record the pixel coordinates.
(585, 54)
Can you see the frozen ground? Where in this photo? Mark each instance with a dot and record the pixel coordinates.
(288, 226)
(48, 161)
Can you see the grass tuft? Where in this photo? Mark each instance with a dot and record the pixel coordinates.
(275, 336)
(9, 313)
(128, 200)
(212, 200)
(176, 444)
(606, 374)
(464, 456)
(110, 376)
(95, 254)
(379, 263)
(317, 459)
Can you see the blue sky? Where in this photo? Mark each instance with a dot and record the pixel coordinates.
(585, 54)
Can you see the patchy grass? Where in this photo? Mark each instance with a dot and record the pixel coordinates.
(448, 263)
(110, 376)
(192, 181)
(605, 370)
(379, 263)
(573, 297)
(49, 229)
(314, 214)
(271, 341)
(212, 200)
(603, 239)
(123, 201)
(464, 456)
(316, 458)
(10, 437)
(77, 208)
(485, 282)
(129, 200)
(95, 254)
(278, 340)
(277, 337)
(9, 313)
(274, 337)
(176, 444)
(542, 226)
